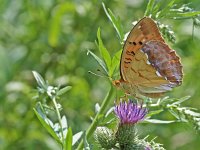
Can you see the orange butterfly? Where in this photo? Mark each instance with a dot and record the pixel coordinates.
(148, 67)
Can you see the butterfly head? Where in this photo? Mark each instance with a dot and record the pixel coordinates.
(117, 83)
(121, 84)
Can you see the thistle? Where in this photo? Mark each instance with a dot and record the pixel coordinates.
(129, 114)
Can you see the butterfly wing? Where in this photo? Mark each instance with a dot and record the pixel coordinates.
(165, 61)
(144, 31)
(167, 65)
(148, 63)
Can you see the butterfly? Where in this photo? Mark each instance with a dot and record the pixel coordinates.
(148, 66)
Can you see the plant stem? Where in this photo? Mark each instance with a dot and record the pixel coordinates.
(94, 123)
(59, 121)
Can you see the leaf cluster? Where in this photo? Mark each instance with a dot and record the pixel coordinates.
(59, 130)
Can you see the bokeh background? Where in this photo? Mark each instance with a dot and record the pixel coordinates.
(52, 37)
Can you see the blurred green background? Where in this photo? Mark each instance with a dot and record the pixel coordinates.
(52, 37)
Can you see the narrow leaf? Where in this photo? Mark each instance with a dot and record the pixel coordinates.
(86, 145)
(151, 113)
(185, 15)
(156, 121)
(149, 7)
(68, 140)
(109, 111)
(196, 22)
(97, 107)
(156, 9)
(115, 62)
(115, 21)
(63, 90)
(181, 100)
(165, 10)
(174, 114)
(180, 117)
(64, 122)
(100, 62)
(47, 126)
(103, 51)
(192, 113)
(77, 137)
(40, 81)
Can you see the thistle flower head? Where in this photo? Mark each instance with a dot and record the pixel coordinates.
(105, 137)
(130, 112)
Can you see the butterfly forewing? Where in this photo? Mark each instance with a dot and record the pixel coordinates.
(144, 31)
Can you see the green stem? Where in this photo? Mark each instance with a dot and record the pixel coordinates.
(59, 121)
(94, 124)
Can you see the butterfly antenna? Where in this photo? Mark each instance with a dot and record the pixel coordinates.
(95, 74)
(103, 75)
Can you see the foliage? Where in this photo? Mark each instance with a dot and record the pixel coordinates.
(59, 131)
(52, 36)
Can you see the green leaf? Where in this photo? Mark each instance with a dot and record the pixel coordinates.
(180, 117)
(97, 108)
(109, 112)
(151, 113)
(156, 121)
(103, 51)
(63, 90)
(55, 22)
(64, 123)
(149, 7)
(185, 15)
(181, 100)
(85, 142)
(68, 140)
(115, 21)
(77, 137)
(156, 9)
(115, 62)
(46, 125)
(40, 81)
(165, 101)
(174, 114)
(100, 62)
(189, 112)
(165, 10)
(196, 21)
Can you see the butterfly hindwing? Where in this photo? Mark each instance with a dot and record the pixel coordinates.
(165, 61)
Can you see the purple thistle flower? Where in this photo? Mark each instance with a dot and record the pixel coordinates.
(130, 112)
